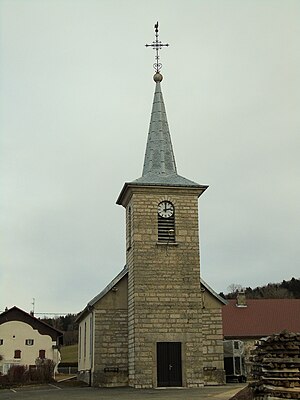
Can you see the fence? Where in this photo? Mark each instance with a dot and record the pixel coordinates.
(67, 370)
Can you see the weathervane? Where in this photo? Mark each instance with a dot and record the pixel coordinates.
(157, 45)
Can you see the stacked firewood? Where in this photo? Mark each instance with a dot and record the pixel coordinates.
(276, 367)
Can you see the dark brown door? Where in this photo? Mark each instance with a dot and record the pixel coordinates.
(169, 371)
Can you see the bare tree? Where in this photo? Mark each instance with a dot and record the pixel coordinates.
(234, 288)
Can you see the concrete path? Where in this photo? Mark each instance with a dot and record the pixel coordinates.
(61, 392)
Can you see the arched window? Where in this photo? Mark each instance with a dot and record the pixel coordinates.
(166, 222)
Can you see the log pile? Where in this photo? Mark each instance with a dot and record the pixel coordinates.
(276, 367)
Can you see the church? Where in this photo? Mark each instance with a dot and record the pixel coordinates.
(157, 323)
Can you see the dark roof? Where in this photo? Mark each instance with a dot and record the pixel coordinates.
(261, 317)
(16, 314)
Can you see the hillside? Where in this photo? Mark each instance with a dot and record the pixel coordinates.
(284, 290)
(69, 354)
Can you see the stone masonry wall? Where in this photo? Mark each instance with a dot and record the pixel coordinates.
(164, 299)
(111, 353)
(111, 338)
(213, 362)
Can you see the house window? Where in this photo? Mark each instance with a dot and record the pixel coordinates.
(17, 354)
(29, 342)
(166, 222)
(42, 354)
(1, 342)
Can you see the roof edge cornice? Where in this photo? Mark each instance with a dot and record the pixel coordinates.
(124, 195)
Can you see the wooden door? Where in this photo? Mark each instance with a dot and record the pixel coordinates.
(169, 370)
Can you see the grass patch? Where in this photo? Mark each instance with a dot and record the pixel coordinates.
(69, 353)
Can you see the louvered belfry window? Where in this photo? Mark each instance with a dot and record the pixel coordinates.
(166, 228)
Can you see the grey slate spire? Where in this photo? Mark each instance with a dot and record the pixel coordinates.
(159, 164)
(159, 157)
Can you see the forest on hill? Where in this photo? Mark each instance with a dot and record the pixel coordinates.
(67, 324)
(284, 290)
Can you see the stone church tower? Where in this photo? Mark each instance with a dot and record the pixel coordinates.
(164, 297)
(157, 324)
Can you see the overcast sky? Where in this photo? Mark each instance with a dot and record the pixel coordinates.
(75, 101)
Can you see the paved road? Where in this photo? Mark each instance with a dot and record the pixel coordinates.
(61, 392)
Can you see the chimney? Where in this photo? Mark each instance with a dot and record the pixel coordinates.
(241, 299)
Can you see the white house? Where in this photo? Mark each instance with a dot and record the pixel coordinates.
(24, 338)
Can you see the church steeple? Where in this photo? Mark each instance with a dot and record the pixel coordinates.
(159, 156)
(159, 163)
(159, 167)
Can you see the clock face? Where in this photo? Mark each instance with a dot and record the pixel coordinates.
(165, 209)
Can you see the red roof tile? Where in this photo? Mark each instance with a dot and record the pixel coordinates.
(261, 317)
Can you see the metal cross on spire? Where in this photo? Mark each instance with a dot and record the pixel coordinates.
(157, 45)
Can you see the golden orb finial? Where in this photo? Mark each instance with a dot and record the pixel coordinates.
(157, 77)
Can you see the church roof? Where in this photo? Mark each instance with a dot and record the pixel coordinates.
(159, 163)
(212, 292)
(109, 286)
(159, 156)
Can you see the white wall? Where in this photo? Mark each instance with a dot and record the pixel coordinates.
(14, 334)
(86, 343)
